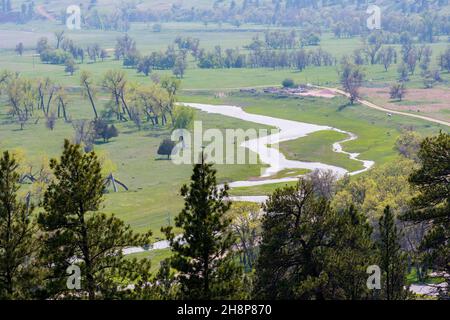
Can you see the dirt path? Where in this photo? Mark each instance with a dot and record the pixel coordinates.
(377, 107)
(343, 93)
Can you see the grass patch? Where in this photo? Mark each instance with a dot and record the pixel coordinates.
(155, 256)
(318, 146)
(262, 190)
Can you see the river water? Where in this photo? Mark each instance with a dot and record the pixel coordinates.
(272, 157)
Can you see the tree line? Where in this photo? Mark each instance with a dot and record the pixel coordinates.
(34, 98)
(322, 249)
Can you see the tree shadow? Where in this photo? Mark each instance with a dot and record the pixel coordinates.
(342, 107)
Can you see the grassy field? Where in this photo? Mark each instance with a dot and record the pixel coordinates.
(319, 146)
(376, 132)
(155, 256)
(154, 184)
(262, 190)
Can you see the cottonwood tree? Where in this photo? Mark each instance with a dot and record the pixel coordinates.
(203, 255)
(351, 80)
(444, 60)
(94, 51)
(373, 45)
(17, 230)
(5, 77)
(19, 49)
(88, 90)
(180, 66)
(154, 101)
(115, 82)
(74, 232)
(62, 103)
(432, 203)
(183, 117)
(408, 144)
(50, 120)
(411, 60)
(45, 91)
(124, 46)
(246, 225)
(70, 66)
(59, 35)
(387, 57)
(21, 97)
(397, 91)
(402, 71)
(171, 86)
(84, 134)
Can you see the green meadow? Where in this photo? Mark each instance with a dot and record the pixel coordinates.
(153, 199)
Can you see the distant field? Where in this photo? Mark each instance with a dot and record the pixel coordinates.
(154, 184)
(108, 5)
(433, 102)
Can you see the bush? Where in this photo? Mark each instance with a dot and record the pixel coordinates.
(103, 131)
(288, 83)
(183, 117)
(166, 147)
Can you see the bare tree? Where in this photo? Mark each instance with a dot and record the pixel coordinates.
(86, 84)
(351, 80)
(59, 35)
(84, 134)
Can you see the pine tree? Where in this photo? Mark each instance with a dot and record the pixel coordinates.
(309, 250)
(76, 233)
(203, 257)
(432, 204)
(291, 258)
(350, 255)
(392, 258)
(16, 235)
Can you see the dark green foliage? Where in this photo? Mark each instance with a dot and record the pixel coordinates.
(104, 131)
(17, 244)
(288, 83)
(392, 259)
(166, 147)
(310, 251)
(432, 204)
(203, 256)
(74, 232)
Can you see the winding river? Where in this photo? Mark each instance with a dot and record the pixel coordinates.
(276, 161)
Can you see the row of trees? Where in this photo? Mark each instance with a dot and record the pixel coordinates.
(30, 99)
(344, 18)
(266, 54)
(322, 250)
(232, 58)
(66, 50)
(283, 40)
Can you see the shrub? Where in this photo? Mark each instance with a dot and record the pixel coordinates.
(166, 147)
(288, 83)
